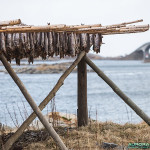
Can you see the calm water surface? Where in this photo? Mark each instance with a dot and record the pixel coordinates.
(131, 76)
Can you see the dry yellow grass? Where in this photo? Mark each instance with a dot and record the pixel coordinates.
(92, 136)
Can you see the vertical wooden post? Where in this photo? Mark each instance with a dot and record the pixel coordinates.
(82, 112)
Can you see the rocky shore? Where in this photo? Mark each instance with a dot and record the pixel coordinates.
(42, 68)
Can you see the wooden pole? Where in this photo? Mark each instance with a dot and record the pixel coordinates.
(82, 112)
(47, 28)
(10, 22)
(36, 109)
(116, 89)
(76, 29)
(42, 105)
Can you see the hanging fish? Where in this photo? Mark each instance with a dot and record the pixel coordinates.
(72, 44)
(31, 51)
(88, 43)
(42, 44)
(50, 44)
(38, 45)
(34, 38)
(22, 38)
(42, 40)
(17, 48)
(54, 35)
(57, 45)
(9, 46)
(97, 42)
(91, 39)
(9, 41)
(2, 43)
(83, 39)
(31, 42)
(45, 44)
(28, 43)
(16, 40)
(66, 43)
(13, 45)
(100, 36)
(38, 38)
(61, 45)
(23, 43)
(78, 44)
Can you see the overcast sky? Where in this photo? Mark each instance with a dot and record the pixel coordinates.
(39, 12)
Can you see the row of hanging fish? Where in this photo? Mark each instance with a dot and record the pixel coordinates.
(47, 44)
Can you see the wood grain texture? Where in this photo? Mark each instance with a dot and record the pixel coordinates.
(82, 112)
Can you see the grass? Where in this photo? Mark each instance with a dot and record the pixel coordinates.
(92, 136)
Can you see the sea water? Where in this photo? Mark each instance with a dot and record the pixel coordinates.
(132, 77)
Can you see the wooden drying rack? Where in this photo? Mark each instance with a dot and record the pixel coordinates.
(121, 28)
(80, 62)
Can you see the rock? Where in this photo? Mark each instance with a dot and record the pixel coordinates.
(108, 145)
(57, 119)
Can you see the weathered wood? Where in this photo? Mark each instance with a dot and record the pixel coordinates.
(82, 112)
(123, 24)
(59, 27)
(64, 28)
(36, 109)
(42, 105)
(120, 93)
(10, 23)
(107, 29)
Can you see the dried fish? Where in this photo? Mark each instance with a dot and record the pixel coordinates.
(46, 43)
(38, 38)
(54, 36)
(61, 45)
(71, 44)
(83, 39)
(16, 40)
(43, 53)
(97, 42)
(66, 43)
(77, 43)
(28, 43)
(50, 44)
(42, 39)
(31, 52)
(91, 39)
(9, 41)
(32, 45)
(9, 46)
(57, 45)
(88, 43)
(37, 45)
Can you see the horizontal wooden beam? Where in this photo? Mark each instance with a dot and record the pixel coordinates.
(121, 28)
(47, 28)
(10, 22)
